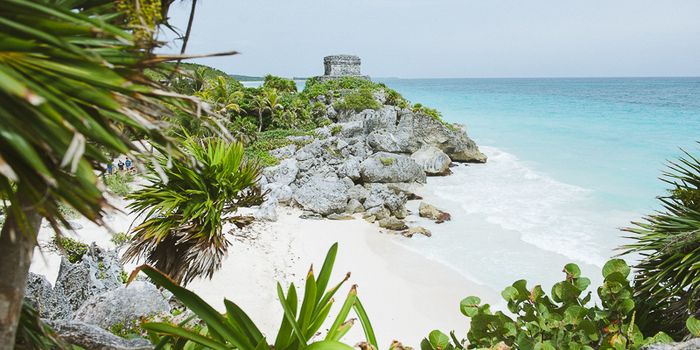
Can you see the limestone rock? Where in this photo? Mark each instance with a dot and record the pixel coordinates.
(451, 140)
(49, 303)
(389, 167)
(284, 152)
(350, 168)
(280, 192)
(335, 216)
(322, 195)
(378, 213)
(381, 196)
(431, 212)
(124, 305)
(418, 230)
(692, 344)
(98, 272)
(267, 211)
(93, 337)
(354, 206)
(285, 172)
(358, 192)
(392, 223)
(433, 160)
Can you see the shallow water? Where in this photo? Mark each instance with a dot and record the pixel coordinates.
(570, 162)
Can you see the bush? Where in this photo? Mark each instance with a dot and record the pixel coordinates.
(315, 87)
(358, 101)
(120, 238)
(118, 183)
(69, 247)
(336, 129)
(564, 321)
(280, 84)
(272, 139)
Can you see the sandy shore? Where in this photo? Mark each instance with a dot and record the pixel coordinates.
(406, 295)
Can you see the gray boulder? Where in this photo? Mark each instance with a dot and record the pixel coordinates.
(389, 167)
(284, 173)
(450, 139)
(358, 192)
(267, 211)
(350, 168)
(49, 303)
(98, 272)
(322, 195)
(392, 223)
(284, 152)
(692, 344)
(380, 195)
(93, 337)
(280, 192)
(433, 160)
(354, 206)
(125, 305)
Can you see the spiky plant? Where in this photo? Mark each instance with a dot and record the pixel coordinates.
(667, 286)
(182, 232)
(303, 318)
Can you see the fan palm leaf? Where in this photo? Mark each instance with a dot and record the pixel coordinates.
(667, 285)
(181, 234)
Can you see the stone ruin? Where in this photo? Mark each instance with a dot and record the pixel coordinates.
(338, 66)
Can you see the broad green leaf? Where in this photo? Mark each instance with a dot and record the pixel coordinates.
(616, 265)
(438, 340)
(470, 306)
(693, 325)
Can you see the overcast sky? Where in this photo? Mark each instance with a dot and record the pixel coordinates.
(450, 38)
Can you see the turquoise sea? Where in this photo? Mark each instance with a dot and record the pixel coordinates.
(570, 162)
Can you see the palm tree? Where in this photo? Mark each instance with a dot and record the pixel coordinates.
(182, 233)
(73, 90)
(667, 286)
(267, 100)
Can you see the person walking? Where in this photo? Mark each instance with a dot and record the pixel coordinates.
(128, 164)
(120, 165)
(110, 168)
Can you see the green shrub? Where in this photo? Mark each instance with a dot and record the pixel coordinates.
(272, 139)
(68, 212)
(336, 129)
(118, 183)
(394, 98)
(315, 87)
(564, 321)
(433, 113)
(280, 84)
(69, 247)
(120, 238)
(357, 100)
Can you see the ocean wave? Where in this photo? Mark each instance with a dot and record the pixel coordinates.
(549, 214)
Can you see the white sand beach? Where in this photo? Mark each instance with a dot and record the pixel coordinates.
(406, 295)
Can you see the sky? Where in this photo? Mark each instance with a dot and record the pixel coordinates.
(448, 38)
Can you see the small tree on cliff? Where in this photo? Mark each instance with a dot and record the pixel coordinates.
(72, 89)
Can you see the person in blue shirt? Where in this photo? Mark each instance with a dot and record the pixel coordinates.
(110, 168)
(128, 164)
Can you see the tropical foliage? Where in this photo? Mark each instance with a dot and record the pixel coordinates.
(304, 315)
(566, 320)
(667, 283)
(182, 232)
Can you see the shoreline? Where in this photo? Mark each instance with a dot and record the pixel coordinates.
(424, 293)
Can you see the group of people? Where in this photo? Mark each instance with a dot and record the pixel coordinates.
(126, 165)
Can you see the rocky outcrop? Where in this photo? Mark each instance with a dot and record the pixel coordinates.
(99, 271)
(322, 195)
(392, 223)
(93, 337)
(125, 305)
(386, 167)
(432, 160)
(368, 162)
(49, 303)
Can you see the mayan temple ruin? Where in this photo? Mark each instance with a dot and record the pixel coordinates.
(337, 66)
